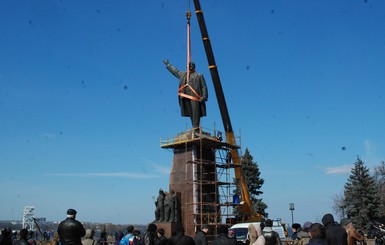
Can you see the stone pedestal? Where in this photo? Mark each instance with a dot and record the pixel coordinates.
(169, 228)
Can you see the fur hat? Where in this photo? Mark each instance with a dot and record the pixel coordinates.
(306, 225)
(71, 211)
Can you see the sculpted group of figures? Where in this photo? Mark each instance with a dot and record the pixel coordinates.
(166, 207)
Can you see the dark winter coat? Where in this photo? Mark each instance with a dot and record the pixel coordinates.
(198, 83)
(180, 239)
(317, 241)
(71, 232)
(200, 238)
(149, 238)
(162, 240)
(223, 239)
(335, 233)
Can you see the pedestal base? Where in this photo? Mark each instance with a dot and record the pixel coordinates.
(169, 228)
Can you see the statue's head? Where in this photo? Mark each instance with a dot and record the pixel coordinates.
(191, 66)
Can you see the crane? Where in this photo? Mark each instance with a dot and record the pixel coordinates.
(247, 209)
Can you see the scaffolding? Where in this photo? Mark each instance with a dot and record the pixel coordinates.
(212, 181)
(28, 216)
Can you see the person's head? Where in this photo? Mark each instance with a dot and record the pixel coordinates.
(317, 231)
(191, 66)
(136, 233)
(268, 223)
(89, 234)
(328, 219)
(205, 228)
(23, 233)
(152, 228)
(130, 229)
(306, 226)
(160, 232)
(71, 213)
(295, 227)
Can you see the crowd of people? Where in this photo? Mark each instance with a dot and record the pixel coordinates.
(71, 232)
(329, 232)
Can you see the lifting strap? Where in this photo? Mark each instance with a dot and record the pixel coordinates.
(180, 93)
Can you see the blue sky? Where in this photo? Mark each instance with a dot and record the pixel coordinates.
(85, 99)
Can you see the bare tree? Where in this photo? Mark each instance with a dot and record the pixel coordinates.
(338, 205)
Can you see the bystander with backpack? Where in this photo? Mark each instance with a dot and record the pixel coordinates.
(129, 237)
(271, 236)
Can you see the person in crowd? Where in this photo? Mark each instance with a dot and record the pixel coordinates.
(31, 238)
(118, 236)
(317, 234)
(271, 236)
(180, 238)
(103, 238)
(55, 239)
(303, 235)
(200, 237)
(23, 237)
(353, 235)
(89, 237)
(137, 239)
(252, 233)
(295, 228)
(160, 239)
(70, 230)
(149, 236)
(223, 238)
(255, 234)
(192, 93)
(129, 237)
(231, 234)
(6, 237)
(335, 233)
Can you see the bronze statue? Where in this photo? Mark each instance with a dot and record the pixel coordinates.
(159, 211)
(167, 207)
(192, 93)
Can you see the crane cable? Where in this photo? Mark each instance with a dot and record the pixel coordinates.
(197, 97)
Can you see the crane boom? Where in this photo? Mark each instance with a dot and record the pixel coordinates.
(247, 207)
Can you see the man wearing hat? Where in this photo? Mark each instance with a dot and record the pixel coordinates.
(200, 237)
(70, 230)
(353, 235)
(303, 236)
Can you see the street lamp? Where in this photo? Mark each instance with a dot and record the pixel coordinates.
(291, 208)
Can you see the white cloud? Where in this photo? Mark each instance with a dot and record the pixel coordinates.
(339, 169)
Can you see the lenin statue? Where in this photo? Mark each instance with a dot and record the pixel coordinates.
(192, 93)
